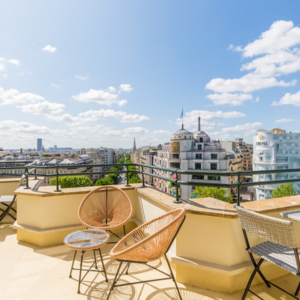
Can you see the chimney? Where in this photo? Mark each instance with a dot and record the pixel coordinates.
(199, 125)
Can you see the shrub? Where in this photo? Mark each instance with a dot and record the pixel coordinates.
(284, 190)
(105, 181)
(203, 192)
(72, 181)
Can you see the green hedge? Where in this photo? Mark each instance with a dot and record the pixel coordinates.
(72, 181)
(105, 181)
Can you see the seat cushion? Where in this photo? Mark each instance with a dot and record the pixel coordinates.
(281, 256)
(6, 198)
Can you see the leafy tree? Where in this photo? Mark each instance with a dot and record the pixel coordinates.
(134, 179)
(72, 181)
(284, 190)
(217, 193)
(114, 177)
(105, 181)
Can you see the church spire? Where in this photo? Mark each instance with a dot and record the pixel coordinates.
(134, 146)
(199, 124)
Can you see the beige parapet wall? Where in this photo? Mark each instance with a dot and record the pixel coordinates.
(209, 250)
(8, 186)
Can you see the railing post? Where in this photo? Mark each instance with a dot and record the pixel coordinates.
(27, 179)
(238, 190)
(57, 183)
(177, 190)
(35, 174)
(143, 177)
(127, 176)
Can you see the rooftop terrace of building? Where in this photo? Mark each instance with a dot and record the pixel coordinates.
(208, 255)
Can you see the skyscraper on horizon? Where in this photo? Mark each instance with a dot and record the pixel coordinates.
(39, 144)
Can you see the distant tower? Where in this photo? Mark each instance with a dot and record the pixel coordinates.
(199, 124)
(39, 144)
(134, 146)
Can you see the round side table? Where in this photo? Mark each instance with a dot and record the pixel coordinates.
(84, 240)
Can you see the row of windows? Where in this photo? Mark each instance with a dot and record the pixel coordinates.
(213, 166)
(201, 177)
(212, 156)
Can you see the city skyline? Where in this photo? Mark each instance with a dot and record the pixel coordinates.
(114, 76)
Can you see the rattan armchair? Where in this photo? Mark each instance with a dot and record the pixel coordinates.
(106, 208)
(279, 249)
(147, 243)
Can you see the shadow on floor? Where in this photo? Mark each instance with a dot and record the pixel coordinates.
(6, 230)
(101, 290)
(172, 294)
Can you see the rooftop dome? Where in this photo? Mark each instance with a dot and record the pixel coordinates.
(277, 130)
(182, 134)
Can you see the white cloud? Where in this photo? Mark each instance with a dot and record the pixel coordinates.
(82, 77)
(107, 97)
(44, 107)
(126, 87)
(282, 35)
(14, 97)
(285, 120)
(279, 55)
(134, 118)
(242, 128)
(246, 84)
(49, 48)
(5, 76)
(4, 61)
(291, 99)
(14, 62)
(102, 113)
(231, 99)
(122, 102)
(191, 118)
(29, 102)
(162, 132)
(257, 99)
(95, 115)
(23, 127)
(56, 86)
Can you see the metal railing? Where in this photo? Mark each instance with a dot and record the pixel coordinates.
(30, 171)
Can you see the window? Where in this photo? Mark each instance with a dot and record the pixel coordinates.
(199, 147)
(213, 177)
(213, 166)
(198, 166)
(199, 156)
(201, 140)
(214, 156)
(201, 177)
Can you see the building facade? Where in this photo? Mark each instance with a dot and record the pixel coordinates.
(191, 151)
(275, 150)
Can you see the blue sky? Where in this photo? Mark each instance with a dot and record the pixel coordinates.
(99, 73)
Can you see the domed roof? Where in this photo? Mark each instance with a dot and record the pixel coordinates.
(182, 132)
(277, 131)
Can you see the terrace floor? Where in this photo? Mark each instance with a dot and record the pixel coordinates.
(32, 273)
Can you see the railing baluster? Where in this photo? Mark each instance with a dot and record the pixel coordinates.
(127, 176)
(177, 190)
(238, 190)
(143, 177)
(57, 183)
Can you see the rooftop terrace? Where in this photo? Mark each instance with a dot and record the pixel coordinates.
(208, 256)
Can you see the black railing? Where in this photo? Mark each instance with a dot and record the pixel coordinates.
(30, 170)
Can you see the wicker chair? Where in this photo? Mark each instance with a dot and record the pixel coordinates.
(106, 208)
(279, 249)
(147, 243)
(8, 202)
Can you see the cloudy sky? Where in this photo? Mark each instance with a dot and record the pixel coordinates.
(99, 73)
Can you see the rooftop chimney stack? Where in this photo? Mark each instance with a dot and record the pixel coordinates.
(199, 124)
